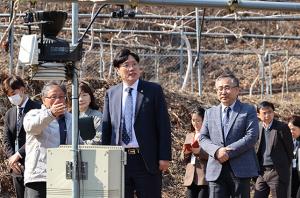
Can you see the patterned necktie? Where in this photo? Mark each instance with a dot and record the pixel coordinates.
(19, 117)
(127, 119)
(62, 129)
(19, 125)
(226, 120)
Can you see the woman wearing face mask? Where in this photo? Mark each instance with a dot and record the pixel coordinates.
(294, 125)
(89, 108)
(195, 159)
(14, 134)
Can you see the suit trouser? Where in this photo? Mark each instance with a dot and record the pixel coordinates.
(195, 191)
(295, 183)
(19, 186)
(228, 185)
(35, 190)
(268, 182)
(139, 181)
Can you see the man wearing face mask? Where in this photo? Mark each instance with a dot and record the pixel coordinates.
(14, 134)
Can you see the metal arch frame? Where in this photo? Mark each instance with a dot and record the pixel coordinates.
(211, 35)
(206, 18)
(229, 4)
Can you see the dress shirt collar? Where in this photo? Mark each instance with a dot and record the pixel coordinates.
(267, 127)
(24, 103)
(133, 86)
(231, 106)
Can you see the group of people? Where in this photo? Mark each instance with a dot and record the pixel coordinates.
(226, 148)
(46, 125)
(239, 144)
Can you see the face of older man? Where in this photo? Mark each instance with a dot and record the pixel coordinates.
(227, 91)
(55, 100)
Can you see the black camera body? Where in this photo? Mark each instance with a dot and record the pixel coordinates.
(53, 49)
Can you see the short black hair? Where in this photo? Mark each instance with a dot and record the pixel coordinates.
(122, 56)
(295, 120)
(265, 104)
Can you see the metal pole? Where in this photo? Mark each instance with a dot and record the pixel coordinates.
(101, 62)
(210, 35)
(192, 78)
(11, 39)
(263, 68)
(230, 4)
(199, 68)
(75, 133)
(270, 73)
(181, 56)
(262, 75)
(170, 17)
(286, 66)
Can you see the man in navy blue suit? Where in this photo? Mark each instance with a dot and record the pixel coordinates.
(135, 116)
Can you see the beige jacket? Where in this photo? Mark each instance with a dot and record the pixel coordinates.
(42, 132)
(194, 172)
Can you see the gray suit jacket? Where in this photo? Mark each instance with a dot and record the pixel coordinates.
(242, 136)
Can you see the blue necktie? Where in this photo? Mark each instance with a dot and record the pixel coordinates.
(18, 126)
(226, 120)
(127, 119)
(62, 129)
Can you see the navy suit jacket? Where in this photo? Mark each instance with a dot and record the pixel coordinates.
(151, 122)
(241, 137)
(10, 129)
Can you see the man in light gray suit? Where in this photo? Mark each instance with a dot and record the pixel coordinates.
(229, 133)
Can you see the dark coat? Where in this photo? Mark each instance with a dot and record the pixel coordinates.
(151, 125)
(10, 130)
(281, 146)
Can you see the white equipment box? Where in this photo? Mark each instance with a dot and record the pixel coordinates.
(28, 54)
(101, 175)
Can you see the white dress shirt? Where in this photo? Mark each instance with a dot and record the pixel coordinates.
(133, 142)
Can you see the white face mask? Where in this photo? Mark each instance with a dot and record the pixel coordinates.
(15, 99)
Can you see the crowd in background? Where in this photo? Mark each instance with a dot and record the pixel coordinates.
(228, 147)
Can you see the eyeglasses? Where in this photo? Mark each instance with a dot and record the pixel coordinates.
(225, 88)
(57, 97)
(128, 64)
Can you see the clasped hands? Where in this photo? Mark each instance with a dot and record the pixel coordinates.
(222, 154)
(14, 164)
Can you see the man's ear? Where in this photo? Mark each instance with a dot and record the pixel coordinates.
(142, 70)
(117, 70)
(43, 99)
(24, 90)
(258, 116)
